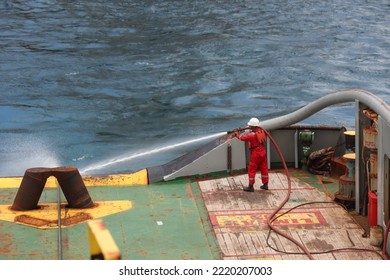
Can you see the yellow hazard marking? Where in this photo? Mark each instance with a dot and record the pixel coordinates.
(247, 220)
(101, 243)
(47, 215)
(137, 178)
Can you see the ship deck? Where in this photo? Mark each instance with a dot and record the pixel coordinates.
(194, 219)
(324, 229)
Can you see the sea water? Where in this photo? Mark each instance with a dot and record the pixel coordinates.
(89, 82)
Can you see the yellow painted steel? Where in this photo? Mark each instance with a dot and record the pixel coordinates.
(349, 133)
(138, 178)
(47, 215)
(350, 156)
(101, 243)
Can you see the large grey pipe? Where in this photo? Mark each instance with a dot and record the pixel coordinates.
(343, 96)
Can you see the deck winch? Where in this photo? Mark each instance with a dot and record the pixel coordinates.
(306, 138)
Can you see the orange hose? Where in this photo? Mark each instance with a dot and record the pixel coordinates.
(269, 222)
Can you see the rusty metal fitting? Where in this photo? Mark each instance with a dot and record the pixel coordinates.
(73, 187)
(34, 181)
(31, 188)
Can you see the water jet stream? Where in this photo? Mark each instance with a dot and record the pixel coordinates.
(157, 150)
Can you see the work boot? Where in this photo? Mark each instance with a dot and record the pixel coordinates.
(264, 187)
(249, 189)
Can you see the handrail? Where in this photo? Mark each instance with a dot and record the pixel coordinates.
(343, 96)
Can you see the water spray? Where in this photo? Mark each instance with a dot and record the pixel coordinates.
(154, 151)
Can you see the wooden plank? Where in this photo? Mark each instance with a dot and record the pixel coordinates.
(232, 244)
(101, 243)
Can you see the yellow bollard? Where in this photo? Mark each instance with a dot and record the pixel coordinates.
(101, 244)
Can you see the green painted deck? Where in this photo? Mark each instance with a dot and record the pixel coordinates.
(166, 221)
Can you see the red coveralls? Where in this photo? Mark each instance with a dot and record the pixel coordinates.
(258, 158)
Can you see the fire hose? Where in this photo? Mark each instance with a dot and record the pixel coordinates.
(271, 218)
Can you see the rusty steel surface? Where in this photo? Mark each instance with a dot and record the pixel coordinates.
(30, 189)
(34, 181)
(73, 187)
(41, 222)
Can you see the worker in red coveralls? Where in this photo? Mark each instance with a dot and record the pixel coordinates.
(258, 159)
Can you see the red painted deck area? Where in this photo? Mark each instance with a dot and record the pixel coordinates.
(239, 220)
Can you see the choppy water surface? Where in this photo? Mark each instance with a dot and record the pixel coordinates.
(84, 82)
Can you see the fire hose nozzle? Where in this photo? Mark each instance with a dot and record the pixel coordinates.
(238, 129)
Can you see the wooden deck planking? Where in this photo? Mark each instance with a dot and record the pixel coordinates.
(239, 221)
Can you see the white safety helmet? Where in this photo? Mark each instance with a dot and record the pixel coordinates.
(254, 122)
